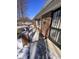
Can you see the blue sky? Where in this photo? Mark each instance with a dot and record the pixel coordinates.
(33, 7)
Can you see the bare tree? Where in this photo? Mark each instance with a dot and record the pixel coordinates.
(21, 8)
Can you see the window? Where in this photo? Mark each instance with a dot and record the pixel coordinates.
(55, 33)
(56, 19)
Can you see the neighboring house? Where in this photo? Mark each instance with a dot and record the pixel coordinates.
(23, 21)
(49, 21)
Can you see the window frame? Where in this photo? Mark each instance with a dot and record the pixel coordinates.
(56, 28)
